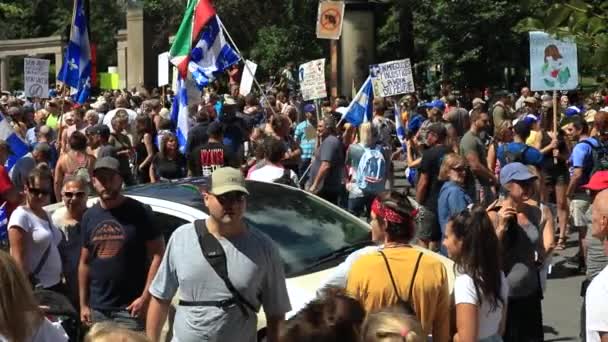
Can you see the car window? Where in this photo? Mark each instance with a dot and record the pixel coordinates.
(168, 223)
(303, 227)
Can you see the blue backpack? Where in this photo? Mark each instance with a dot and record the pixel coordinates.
(371, 172)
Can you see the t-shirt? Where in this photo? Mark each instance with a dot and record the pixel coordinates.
(21, 170)
(69, 249)
(471, 143)
(306, 135)
(255, 269)
(40, 234)
(430, 165)
(459, 118)
(107, 119)
(121, 142)
(488, 319)
(210, 156)
(596, 307)
(170, 168)
(530, 155)
(383, 128)
(52, 121)
(46, 332)
(116, 240)
(106, 151)
(353, 157)
(197, 136)
(582, 157)
(339, 275)
(431, 299)
(330, 151)
(270, 173)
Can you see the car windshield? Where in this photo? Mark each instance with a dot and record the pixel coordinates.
(304, 228)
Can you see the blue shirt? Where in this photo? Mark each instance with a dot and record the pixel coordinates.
(306, 145)
(531, 156)
(582, 157)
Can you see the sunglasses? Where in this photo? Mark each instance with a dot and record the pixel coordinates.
(39, 192)
(77, 194)
(230, 197)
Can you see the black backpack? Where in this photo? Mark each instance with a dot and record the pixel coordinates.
(599, 154)
(401, 302)
(517, 156)
(285, 179)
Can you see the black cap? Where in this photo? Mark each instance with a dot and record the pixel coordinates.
(107, 163)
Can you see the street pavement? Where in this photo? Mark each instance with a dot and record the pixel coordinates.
(562, 302)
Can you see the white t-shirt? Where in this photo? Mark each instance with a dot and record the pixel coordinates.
(47, 332)
(107, 118)
(39, 234)
(339, 275)
(269, 173)
(596, 306)
(489, 321)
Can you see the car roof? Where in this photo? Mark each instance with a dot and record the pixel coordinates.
(185, 191)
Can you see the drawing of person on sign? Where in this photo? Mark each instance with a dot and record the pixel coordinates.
(555, 71)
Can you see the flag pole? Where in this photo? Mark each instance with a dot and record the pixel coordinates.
(255, 80)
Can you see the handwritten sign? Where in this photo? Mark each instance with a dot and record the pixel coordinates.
(553, 63)
(392, 78)
(36, 77)
(312, 80)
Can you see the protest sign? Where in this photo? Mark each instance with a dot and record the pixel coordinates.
(392, 78)
(247, 79)
(109, 81)
(163, 69)
(553, 63)
(36, 77)
(312, 79)
(329, 19)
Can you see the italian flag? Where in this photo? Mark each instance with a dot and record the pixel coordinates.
(197, 15)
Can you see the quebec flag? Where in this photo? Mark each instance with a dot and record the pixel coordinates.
(399, 126)
(179, 113)
(3, 223)
(361, 108)
(18, 146)
(76, 68)
(211, 54)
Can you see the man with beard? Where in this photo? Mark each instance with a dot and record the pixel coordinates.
(120, 239)
(216, 305)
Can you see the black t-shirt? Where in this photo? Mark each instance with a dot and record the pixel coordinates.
(210, 156)
(116, 240)
(430, 165)
(170, 168)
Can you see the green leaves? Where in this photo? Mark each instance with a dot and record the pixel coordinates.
(556, 16)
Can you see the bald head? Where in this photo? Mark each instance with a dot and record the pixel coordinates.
(599, 224)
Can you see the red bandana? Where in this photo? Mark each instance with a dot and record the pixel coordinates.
(389, 214)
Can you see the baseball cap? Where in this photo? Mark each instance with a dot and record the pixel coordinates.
(310, 108)
(530, 99)
(572, 110)
(598, 182)
(106, 163)
(478, 100)
(436, 104)
(530, 119)
(227, 179)
(100, 129)
(515, 172)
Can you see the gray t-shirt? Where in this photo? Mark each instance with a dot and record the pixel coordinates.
(106, 151)
(330, 151)
(254, 267)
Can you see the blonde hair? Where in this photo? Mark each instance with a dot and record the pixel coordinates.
(365, 134)
(448, 162)
(392, 325)
(19, 312)
(112, 332)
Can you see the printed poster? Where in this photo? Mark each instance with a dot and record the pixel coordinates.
(392, 78)
(36, 77)
(553, 63)
(329, 19)
(312, 80)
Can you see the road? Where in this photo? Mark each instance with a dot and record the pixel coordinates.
(562, 303)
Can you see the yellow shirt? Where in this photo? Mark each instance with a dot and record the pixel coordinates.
(534, 139)
(431, 298)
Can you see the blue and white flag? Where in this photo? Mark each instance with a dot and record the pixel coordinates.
(399, 126)
(361, 108)
(3, 223)
(18, 146)
(179, 113)
(211, 54)
(76, 68)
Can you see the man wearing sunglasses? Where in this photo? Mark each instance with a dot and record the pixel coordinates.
(120, 239)
(208, 309)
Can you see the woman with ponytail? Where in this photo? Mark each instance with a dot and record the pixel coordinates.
(480, 289)
(402, 276)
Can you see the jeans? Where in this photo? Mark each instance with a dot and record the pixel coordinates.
(121, 317)
(360, 206)
(304, 164)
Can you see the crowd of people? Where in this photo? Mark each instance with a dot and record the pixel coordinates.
(492, 186)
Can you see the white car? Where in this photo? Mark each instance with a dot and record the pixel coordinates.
(313, 236)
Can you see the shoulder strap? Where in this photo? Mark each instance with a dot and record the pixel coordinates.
(409, 297)
(42, 261)
(390, 274)
(216, 257)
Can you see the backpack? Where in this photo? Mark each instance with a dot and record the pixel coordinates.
(517, 156)
(285, 179)
(371, 172)
(599, 155)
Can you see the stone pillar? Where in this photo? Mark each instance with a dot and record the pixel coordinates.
(357, 47)
(135, 47)
(4, 73)
(122, 53)
(58, 61)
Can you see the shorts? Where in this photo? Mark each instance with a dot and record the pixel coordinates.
(578, 212)
(556, 176)
(427, 225)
